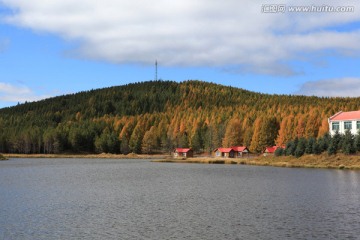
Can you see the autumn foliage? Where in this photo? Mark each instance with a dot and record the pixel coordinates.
(156, 116)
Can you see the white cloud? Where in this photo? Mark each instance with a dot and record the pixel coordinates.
(17, 93)
(342, 87)
(192, 33)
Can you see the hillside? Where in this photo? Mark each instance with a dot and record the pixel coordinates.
(156, 116)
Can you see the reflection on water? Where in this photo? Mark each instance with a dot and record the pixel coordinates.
(136, 199)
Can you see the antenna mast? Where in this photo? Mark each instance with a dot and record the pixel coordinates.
(156, 65)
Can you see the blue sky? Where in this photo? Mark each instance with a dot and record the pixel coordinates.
(63, 46)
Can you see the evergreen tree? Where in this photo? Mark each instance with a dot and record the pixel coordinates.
(113, 143)
(209, 139)
(183, 141)
(100, 144)
(357, 141)
(124, 146)
(310, 145)
(166, 143)
(300, 148)
(322, 145)
(348, 143)
(332, 148)
(279, 152)
(316, 148)
(336, 140)
(197, 143)
(289, 148)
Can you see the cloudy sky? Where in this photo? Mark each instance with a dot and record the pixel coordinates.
(50, 48)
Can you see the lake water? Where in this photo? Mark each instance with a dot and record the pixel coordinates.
(138, 199)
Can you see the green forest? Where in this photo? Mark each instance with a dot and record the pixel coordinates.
(156, 116)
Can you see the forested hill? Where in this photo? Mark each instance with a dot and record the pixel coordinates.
(156, 116)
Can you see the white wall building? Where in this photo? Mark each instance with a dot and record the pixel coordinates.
(342, 121)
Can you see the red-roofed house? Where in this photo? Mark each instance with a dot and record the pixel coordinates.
(224, 152)
(240, 151)
(183, 152)
(270, 150)
(343, 121)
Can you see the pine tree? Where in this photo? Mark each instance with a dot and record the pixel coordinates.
(166, 143)
(101, 144)
(197, 142)
(336, 140)
(209, 139)
(300, 148)
(124, 146)
(183, 141)
(348, 146)
(279, 152)
(316, 148)
(289, 148)
(332, 148)
(310, 146)
(357, 141)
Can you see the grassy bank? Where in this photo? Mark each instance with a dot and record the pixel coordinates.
(2, 157)
(102, 155)
(339, 161)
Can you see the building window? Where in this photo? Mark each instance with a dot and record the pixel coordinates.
(335, 126)
(358, 125)
(347, 125)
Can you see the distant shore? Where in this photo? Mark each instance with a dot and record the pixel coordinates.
(102, 155)
(339, 161)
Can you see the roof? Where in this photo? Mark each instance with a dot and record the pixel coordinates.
(182, 150)
(239, 148)
(272, 149)
(353, 115)
(224, 150)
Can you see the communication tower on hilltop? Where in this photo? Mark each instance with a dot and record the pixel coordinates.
(156, 65)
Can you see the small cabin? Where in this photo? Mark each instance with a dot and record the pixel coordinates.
(240, 151)
(183, 152)
(224, 152)
(271, 150)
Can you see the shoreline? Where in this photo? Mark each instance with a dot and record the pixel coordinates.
(101, 155)
(339, 161)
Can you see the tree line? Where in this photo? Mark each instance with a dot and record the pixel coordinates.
(156, 116)
(345, 143)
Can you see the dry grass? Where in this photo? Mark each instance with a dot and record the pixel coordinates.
(2, 157)
(339, 161)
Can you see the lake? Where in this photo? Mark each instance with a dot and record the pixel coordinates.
(138, 199)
